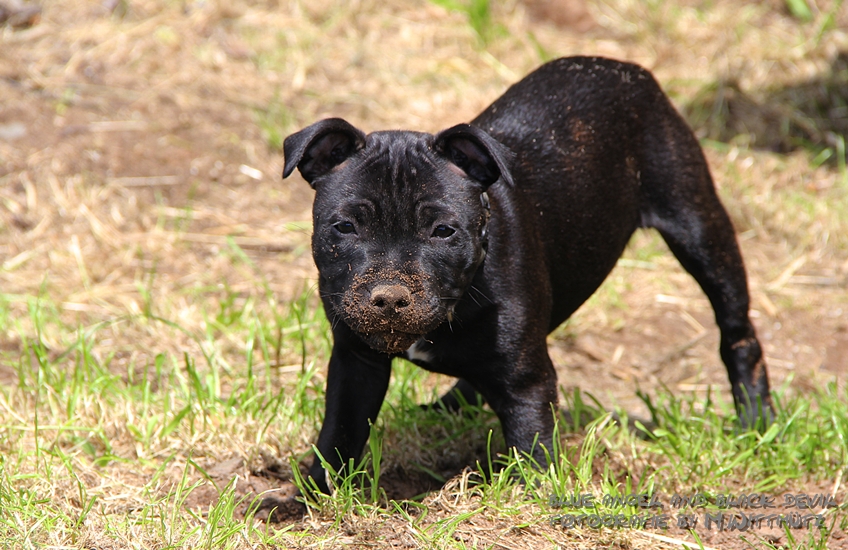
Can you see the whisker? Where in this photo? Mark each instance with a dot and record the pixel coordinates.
(481, 293)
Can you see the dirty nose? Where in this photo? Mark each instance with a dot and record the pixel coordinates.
(389, 298)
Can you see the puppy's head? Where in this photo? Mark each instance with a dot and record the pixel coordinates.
(399, 222)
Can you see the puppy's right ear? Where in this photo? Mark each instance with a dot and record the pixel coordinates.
(319, 148)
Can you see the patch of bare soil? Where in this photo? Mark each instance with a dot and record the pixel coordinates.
(266, 491)
(671, 340)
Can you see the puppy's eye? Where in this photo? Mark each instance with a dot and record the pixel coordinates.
(443, 232)
(345, 228)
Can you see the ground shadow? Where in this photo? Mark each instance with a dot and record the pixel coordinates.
(811, 115)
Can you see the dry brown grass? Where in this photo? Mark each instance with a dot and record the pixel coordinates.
(146, 157)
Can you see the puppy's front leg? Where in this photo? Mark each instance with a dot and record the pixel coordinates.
(525, 398)
(357, 380)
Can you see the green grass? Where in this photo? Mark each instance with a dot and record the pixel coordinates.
(687, 454)
(73, 416)
(479, 14)
(94, 449)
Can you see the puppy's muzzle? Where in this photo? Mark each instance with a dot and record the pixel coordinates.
(393, 314)
(390, 300)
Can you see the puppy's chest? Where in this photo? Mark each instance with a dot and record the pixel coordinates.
(420, 353)
(434, 355)
(443, 353)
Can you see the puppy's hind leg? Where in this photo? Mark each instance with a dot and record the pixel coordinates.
(681, 202)
(460, 394)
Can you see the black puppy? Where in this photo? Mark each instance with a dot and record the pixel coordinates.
(462, 251)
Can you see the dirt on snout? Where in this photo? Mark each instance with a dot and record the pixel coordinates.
(395, 331)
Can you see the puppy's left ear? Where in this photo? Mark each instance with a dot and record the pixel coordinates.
(475, 152)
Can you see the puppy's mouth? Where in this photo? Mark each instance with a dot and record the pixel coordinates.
(390, 342)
